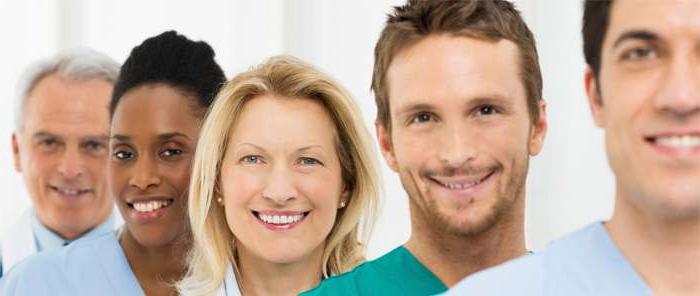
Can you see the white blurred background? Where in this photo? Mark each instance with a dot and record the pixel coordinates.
(569, 186)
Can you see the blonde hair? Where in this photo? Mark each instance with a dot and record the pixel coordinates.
(287, 77)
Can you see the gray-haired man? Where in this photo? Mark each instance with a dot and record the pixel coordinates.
(60, 148)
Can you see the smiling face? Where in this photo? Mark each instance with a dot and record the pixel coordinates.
(648, 100)
(281, 179)
(62, 153)
(460, 133)
(154, 134)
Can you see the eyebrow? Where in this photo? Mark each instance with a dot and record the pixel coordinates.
(305, 148)
(476, 100)
(98, 138)
(636, 35)
(162, 137)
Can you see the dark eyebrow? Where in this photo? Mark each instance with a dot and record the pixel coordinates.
(162, 137)
(121, 138)
(636, 35)
(168, 136)
(411, 108)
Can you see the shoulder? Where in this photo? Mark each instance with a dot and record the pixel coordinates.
(521, 276)
(55, 272)
(534, 274)
(343, 284)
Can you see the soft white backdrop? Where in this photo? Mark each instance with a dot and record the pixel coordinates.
(569, 184)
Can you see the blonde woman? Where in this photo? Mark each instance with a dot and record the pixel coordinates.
(284, 184)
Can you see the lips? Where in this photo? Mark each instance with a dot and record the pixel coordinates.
(280, 220)
(69, 192)
(675, 143)
(146, 209)
(462, 187)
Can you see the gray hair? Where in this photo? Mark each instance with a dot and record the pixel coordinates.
(79, 64)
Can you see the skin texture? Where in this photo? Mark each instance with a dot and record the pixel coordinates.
(154, 134)
(286, 162)
(648, 88)
(459, 116)
(62, 147)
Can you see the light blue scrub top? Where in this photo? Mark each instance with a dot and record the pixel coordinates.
(86, 267)
(586, 262)
(47, 240)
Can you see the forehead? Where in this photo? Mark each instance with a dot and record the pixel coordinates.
(442, 68)
(270, 120)
(63, 106)
(154, 109)
(668, 18)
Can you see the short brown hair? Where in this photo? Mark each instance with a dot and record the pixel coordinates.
(491, 20)
(596, 14)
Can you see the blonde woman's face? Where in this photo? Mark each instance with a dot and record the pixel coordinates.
(281, 179)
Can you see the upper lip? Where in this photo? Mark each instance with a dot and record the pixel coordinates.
(675, 133)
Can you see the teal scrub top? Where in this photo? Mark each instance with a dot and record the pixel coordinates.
(586, 262)
(396, 273)
(86, 267)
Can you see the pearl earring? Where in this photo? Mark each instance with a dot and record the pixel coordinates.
(342, 203)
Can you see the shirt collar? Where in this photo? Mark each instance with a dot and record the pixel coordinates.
(46, 239)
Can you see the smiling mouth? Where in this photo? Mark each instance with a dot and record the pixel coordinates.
(280, 219)
(148, 206)
(461, 185)
(70, 192)
(688, 141)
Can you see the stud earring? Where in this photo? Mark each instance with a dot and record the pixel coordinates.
(342, 204)
(220, 200)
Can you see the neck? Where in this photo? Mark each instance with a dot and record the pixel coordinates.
(664, 251)
(262, 277)
(157, 268)
(451, 256)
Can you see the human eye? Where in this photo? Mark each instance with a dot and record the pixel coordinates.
(639, 53)
(421, 117)
(120, 154)
(94, 146)
(309, 161)
(251, 159)
(486, 110)
(170, 153)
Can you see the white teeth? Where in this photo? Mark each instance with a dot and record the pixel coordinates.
(460, 186)
(280, 219)
(686, 141)
(149, 206)
(68, 191)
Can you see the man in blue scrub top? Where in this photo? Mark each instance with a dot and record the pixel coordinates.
(458, 92)
(60, 148)
(643, 85)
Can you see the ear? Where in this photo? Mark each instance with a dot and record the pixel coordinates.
(539, 130)
(15, 152)
(385, 145)
(595, 102)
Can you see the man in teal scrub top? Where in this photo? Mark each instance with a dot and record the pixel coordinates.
(458, 92)
(643, 86)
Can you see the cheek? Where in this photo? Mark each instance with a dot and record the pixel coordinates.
(239, 187)
(117, 178)
(322, 190)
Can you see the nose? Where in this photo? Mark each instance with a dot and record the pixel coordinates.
(144, 174)
(72, 164)
(455, 145)
(679, 97)
(279, 187)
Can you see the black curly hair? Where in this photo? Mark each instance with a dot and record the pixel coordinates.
(174, 60)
